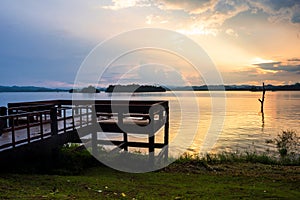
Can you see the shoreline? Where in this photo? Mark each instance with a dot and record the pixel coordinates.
(186, 178)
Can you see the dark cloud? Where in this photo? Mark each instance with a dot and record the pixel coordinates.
(268, 66)
(278, 66)
(294, 60)
(226, 6)
(279, 4)
(288, 8)
(296, 17)
(254, 75)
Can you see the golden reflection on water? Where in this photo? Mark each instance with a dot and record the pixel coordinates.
(245, 127)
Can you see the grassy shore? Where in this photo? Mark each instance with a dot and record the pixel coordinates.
(226, 181)
(228, 176)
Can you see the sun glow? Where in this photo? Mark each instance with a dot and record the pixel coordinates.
(258, 60)
(197, 31)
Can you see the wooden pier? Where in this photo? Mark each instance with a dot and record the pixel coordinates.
(33, 126)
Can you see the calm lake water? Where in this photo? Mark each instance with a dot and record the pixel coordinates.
(199, 124)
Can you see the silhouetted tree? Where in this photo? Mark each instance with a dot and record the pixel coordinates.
(262, 100)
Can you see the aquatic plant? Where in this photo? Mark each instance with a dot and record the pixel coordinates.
(287, 144)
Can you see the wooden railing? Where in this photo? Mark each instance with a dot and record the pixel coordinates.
(44, 123)
(49, 118)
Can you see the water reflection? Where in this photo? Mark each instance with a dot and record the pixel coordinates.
(243, 126)
(262, 121)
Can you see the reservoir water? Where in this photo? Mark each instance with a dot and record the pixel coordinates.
(239, 127)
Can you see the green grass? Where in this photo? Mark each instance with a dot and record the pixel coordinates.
(247, 181)
(76, 175)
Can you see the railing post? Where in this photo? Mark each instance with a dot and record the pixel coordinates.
(94, 132)
(80, 117)
(166, 136)
(151, 139)
(11, 120)
(59, 113)
(53, 118)
(120, 124)
(41, 126)
(28, 127)
(13, 136)
(65, 120)
(76, 110)
(3, 112)
(3, 122)
(73, 120)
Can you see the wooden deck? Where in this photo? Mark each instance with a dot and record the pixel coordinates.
(57, 122)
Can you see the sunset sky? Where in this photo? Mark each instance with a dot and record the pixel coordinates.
(43, 43)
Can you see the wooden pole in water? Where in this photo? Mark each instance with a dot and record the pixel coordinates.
(262, 100)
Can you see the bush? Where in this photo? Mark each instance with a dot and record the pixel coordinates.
(287, 144)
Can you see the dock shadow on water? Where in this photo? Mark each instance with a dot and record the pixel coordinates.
(74, 159)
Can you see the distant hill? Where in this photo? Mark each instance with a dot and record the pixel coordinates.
(28, 89)
(295, 87)
(151, 88)
(134, 88)
(89, 89)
